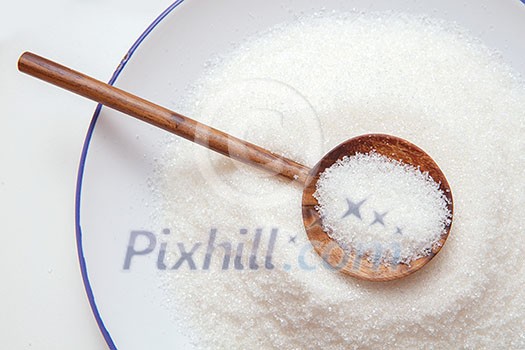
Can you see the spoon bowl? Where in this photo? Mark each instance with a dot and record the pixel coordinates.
(351, 262)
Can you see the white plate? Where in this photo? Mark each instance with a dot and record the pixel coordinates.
(113, 196)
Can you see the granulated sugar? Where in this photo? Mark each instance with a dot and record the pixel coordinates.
(370, 203)
(301, 89)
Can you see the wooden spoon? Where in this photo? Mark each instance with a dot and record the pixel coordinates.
(349, 263)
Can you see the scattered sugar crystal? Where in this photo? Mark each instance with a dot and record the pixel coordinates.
(299, 90)
(372, 204)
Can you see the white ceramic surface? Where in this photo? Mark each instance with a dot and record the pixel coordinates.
(122, 151)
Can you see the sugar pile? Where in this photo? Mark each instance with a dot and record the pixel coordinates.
(370, 203)
(299, 90)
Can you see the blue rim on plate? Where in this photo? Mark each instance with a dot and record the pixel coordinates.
(80, 176)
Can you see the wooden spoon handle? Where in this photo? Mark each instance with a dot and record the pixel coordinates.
(161, 117)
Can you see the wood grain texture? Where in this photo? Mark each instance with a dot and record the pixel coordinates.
(230, 146)
(349, 262)
(161, 117)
